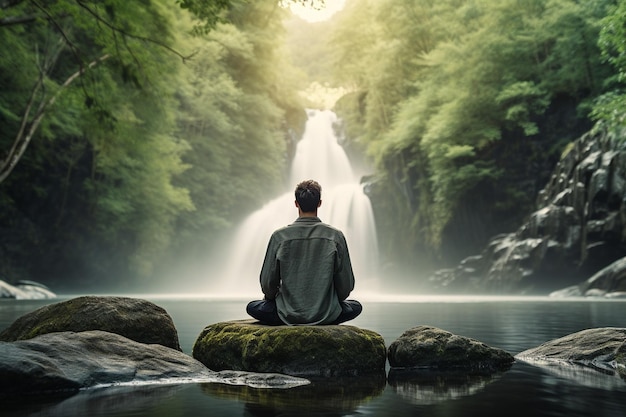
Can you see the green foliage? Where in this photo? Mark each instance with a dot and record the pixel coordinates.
(236, 99)
(522, 100)
(210, 13)
(145, 156)
(611, 107)
(442, 85)
(182, 115)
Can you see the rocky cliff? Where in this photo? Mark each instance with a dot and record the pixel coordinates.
(578, 228)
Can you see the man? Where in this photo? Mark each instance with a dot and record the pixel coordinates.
(306, 275)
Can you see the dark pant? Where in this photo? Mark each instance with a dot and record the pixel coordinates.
(266, 312)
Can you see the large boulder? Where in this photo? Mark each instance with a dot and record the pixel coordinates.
(136, 319)
(69, 361)
(603, 349)
(433, 348)
(294, 350)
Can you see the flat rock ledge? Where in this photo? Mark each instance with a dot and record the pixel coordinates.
(433, 348)
(309, 351)
(603, 349)
(136, 319)
(70, 361)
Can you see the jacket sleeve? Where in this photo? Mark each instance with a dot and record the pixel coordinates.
(344, 277)
(270, 272)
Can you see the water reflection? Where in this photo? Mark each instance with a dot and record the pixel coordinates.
(511, 323)
(586, 376)
(426, 387)
(100, 401)
(334, 396)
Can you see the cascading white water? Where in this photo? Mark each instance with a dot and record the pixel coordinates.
(344, 205)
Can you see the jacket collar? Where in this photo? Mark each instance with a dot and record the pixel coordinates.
(308, 220)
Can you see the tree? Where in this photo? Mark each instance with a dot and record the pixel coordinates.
(238, 111)
(134, 162)
(454, 94)
(66, 21)
(610, 108)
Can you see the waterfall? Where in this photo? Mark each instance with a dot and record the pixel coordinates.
(345, 206)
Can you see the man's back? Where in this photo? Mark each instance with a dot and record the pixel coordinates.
(307, 269)
(306, 275)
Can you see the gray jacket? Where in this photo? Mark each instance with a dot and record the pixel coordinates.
(307, 270)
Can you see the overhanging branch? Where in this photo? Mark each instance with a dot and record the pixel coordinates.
(29, 127)
(125, 33)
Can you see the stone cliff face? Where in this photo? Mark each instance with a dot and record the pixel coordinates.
(579, 227)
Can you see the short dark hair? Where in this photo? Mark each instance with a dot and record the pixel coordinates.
(308, 195)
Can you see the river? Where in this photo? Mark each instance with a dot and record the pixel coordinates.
(510, 323)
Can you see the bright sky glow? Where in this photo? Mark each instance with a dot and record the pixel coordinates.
(312, 15)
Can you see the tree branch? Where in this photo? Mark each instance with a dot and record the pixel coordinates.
(37, 102)
(60, 29)
(130, 35)
(28, 129)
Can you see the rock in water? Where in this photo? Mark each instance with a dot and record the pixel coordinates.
(294, 350)
(430, 347)
(136, 319)
(35, 290)
(603, 349)
(25, 290)
(70, 361)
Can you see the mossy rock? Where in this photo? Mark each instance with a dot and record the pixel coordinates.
(294, 350)
(433, 348)
(135, 319)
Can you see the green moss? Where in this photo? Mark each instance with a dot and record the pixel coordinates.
(302, 350)
(135, 319)
(431, 347)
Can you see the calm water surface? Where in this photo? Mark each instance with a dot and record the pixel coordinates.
(511, 323)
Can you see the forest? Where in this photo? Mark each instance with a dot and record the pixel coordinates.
(136, 135)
